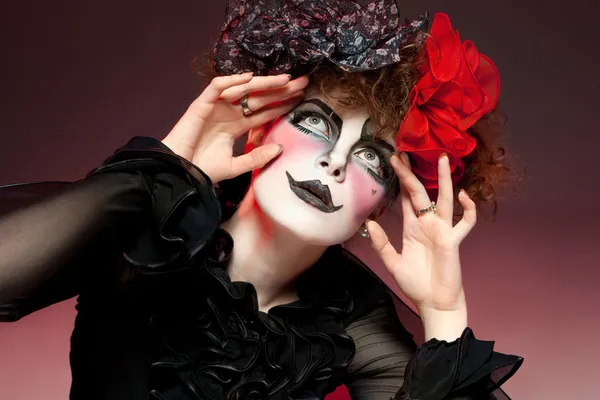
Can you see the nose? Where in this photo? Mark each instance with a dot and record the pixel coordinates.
(334, 165)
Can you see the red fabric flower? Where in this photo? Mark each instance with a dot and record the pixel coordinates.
(457, 87)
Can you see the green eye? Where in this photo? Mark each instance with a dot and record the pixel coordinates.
(316, 124)
(370, 158)
(311, 123)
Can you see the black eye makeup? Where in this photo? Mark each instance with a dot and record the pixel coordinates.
(312, 122)
(314, 117)
(374, 156)
(374, 163)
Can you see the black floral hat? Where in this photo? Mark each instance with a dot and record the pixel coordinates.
(271, 37)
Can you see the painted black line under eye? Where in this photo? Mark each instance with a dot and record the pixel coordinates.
(298, 116)
(387, 171)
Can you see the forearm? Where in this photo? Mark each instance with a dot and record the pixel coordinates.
(40, 239)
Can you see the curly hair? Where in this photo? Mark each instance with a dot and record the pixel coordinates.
(385, 91)
(385, 94)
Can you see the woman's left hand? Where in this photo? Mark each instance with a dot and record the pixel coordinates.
(428, 271)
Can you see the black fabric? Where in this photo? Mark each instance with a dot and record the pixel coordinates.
(383, 350)
(264, 37)
(52, 233)
(138, 240)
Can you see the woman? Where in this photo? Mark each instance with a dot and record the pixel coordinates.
(169, 308)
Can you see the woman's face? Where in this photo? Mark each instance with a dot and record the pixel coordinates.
(331, 175)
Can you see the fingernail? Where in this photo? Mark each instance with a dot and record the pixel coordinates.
(443, 155)
(280, 149)
(289, 76)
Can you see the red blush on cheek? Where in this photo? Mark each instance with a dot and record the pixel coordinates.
(296, 144)
(366, 193)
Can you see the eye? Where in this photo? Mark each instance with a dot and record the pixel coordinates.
(314, 123)
(370, 158)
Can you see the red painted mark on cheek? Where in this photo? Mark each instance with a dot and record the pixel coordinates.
(365, 193)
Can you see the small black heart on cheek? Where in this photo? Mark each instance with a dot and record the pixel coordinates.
(373, 192)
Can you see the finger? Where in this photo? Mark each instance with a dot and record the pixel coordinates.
(469, 219)
(445, 200)
(415, 189)
(257, 84)
(257, 158)
(258, 100)
(271, 112)
(259, 103)
(381, 244)
(221, 83)
(408, 211)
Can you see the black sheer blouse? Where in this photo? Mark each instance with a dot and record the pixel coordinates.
(139, 242)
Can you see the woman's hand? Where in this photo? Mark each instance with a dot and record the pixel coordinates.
(206, 133)
(428, 271)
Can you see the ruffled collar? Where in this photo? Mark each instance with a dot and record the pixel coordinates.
(212, 342)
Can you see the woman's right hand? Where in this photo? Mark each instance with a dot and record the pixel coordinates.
(206, 133)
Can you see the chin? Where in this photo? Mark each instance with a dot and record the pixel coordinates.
(305, 222)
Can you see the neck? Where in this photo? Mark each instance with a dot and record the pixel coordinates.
(267, 255)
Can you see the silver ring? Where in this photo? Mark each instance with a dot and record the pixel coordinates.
(244, 103)
(432, 208)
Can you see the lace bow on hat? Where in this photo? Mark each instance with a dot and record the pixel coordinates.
(271, 37)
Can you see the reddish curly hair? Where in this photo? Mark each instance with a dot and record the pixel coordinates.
(384, 92)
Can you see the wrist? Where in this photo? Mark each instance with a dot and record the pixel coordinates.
(177, 150)
(445, 325)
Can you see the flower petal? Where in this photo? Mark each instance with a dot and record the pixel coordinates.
(489, 78)
(443, 48)
(457, 86)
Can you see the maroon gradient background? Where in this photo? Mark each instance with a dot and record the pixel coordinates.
(78, 78)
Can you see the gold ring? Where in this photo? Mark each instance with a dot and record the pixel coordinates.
(244, 103)
(432, 207)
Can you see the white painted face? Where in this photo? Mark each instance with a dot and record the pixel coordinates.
(331, 175)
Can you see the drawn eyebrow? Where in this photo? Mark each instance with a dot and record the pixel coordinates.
(327, 110)
(365, 136)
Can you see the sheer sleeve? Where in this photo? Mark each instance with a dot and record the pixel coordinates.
(45, 238)
(383, 349)
(53, 233)
(388, 364)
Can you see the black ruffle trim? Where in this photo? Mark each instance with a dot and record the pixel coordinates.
(209, 340)
(185, 210)
(465, 367)
(212, 342)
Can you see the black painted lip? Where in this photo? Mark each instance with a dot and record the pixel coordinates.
(314, 193)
